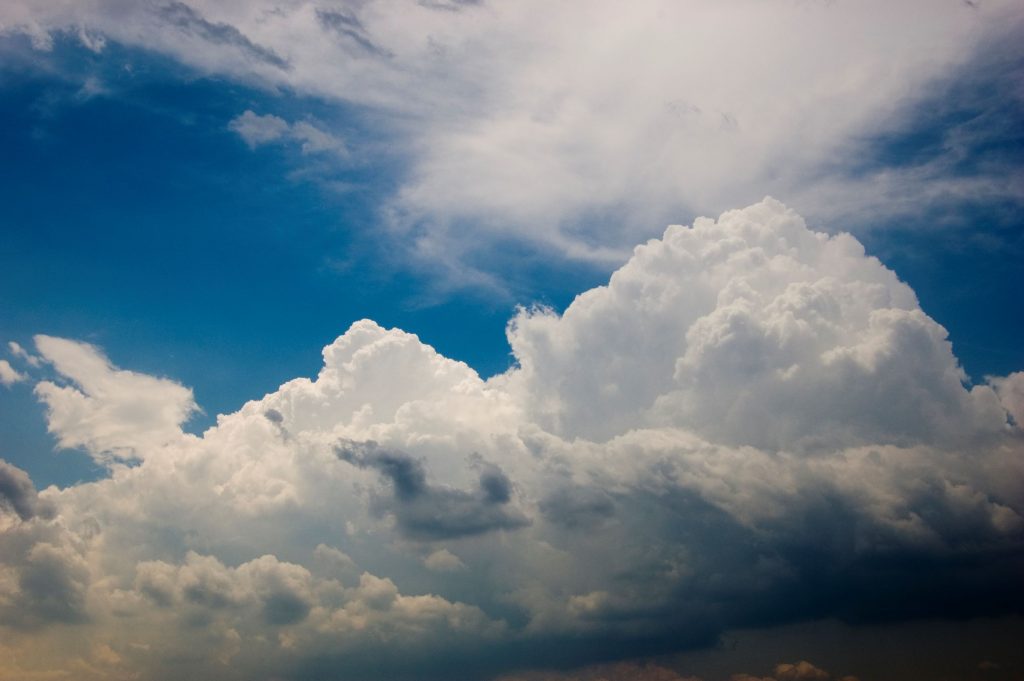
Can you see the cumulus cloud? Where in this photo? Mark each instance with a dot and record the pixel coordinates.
(751, 422)
(752, 330)
(1011, 393)
(443, 560)
(18, 494)
(259, 130)
(109, 412)
(23, 354)
(432, 512)
(578, 130)
(8, 374)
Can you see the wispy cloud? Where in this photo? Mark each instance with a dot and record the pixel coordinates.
(9, 375)
(259, 130)
(575, 131)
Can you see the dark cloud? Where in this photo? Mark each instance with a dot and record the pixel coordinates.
(284, 607)
(189, 20)
(574, 506)
(347, 25)
(53, 586)
(430, 512)
(19, 494)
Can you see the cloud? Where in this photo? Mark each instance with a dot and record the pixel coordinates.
(574, 132)
(23, 354)
(623, 671)
(9, 375)
(640, 671)
(752, 423)
(1011, 393)
(261, 130)
(190, 21)
(346, 24)
(753, 331)
(18, 494)
(800, 671)
(109, 412)
(430, 512)
(443, 560)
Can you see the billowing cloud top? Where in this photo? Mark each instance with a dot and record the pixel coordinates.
(749, 423)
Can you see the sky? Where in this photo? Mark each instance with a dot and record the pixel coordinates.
(453, 339)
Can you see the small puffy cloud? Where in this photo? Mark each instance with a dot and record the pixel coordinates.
(443, 560)
(800, 671)
(108, 411)
(797, 671)
(259, 130)
(317, 141)
(23, 354)
(8, 374)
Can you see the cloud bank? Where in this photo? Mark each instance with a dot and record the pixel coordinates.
(575, 129)
(751, 423)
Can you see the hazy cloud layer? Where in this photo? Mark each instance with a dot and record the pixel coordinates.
(751, 423)
(577, 129)
(631, 671)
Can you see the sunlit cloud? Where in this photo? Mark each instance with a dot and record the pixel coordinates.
(751, 421)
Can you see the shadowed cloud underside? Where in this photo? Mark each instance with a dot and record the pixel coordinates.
(751, 423)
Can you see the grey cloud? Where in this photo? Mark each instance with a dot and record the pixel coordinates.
(450, 5)
(575, 506)
(53, 584)
(17, 491)
(657, 529)
(284, 607)
(429, 512)
(189, 20)
(19, 494)
(258, 130)
(347, 24)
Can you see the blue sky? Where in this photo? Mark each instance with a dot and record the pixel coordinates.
(202, 197)
(218, 265)
(139, 221)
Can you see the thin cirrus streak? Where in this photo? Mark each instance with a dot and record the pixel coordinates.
(752, 421)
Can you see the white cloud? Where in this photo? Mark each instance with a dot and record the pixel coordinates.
(751, 330)
(23, 354)
(443, 560)
(9, 375)
(747, 411)
(109, 412)
(579, 128)
(260, 130)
